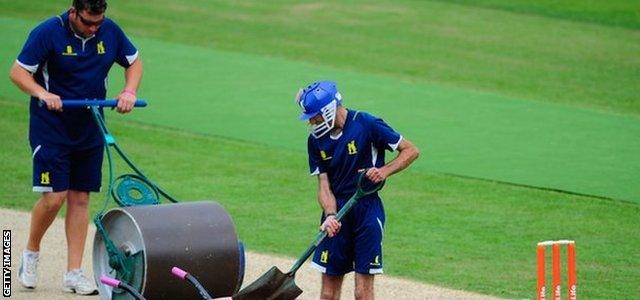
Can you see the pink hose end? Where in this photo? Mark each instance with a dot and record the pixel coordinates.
(179, 272)
(109, 281)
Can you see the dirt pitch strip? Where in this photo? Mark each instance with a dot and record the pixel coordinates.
(53, 262)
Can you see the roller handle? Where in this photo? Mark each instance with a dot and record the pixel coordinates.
(112, 282)
(99, 103)
(182, 274)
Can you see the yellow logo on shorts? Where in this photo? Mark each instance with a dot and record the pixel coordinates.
(376, 261)
(44, 178)
(101, 49)
(351, 147)
(324, 257)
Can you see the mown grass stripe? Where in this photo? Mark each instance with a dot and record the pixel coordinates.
(464, 132)
(454, 232)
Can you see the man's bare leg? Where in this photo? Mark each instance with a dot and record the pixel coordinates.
(42, 215)
(331, 287)
(364, 287)
(76, 225)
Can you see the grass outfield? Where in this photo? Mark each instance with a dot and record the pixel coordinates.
(460, 233)
(500, 92)
(623, 13)
(469, 133)
(514, 54)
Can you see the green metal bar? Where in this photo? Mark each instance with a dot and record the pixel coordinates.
(360, 192)
(110, 141)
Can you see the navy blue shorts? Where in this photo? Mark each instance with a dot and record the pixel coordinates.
(358, 244)
(59, 168)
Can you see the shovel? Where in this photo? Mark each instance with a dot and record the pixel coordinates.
(276, 285)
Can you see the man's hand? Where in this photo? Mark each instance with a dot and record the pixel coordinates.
(331, 226)
(126, 101)
(52, 101)
(376, 175)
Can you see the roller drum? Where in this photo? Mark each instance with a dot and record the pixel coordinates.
(197, 236)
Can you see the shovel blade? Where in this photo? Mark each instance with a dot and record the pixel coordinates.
(265, 286)
(287, 291)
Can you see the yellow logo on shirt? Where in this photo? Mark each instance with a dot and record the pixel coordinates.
(100, 48)
(351, 147)
(324, 256)
(44, 178)
(324, 156)
(69, 51)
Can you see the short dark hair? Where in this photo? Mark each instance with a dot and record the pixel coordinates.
(94, 7)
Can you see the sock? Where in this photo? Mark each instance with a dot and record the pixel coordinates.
(33, 254)
(73, 272)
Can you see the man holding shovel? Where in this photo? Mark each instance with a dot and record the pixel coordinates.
(342, 143)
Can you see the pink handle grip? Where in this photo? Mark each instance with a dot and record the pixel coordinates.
(109, 281)
(179, 272)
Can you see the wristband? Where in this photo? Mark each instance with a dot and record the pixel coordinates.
(329, 214)
(128, 91)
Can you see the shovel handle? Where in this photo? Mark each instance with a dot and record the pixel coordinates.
(365, 186)
(360, 192)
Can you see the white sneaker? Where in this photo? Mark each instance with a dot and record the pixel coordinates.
(28, 272)
(76, 282)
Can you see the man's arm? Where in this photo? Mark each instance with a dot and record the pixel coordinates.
(23, 79)
(408, 153)
(328, 203)
(132, 76)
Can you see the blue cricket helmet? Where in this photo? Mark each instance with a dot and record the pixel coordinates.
(316, 96)
(319, 98)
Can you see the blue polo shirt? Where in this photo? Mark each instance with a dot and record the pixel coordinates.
(362, 144)
(72, 67)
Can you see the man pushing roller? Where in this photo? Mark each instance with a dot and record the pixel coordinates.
(69, 57)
